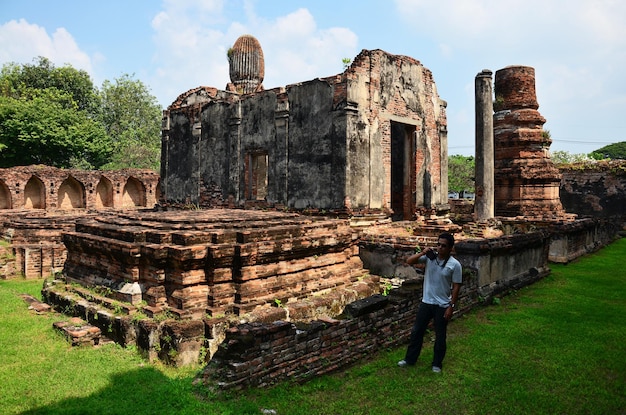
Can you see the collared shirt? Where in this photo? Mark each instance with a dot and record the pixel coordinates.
(438, 278)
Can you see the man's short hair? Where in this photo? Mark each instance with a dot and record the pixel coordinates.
(448, 237)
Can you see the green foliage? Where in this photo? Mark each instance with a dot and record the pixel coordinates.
(55, 116)
(615, 151)
(42, 130)
(564, 157)
(132, 118)
(18, 81)
(461, 173)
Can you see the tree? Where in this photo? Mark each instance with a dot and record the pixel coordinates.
(41, 121)
(132, 118)
(615, 151)
(565, 157)
(461, 173)
(56, 116)
(40, 131)
(22, 81)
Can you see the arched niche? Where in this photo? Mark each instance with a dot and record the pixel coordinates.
(71, 194)
(34, 194)
(5, 196)
(104, 193)
(134, 194)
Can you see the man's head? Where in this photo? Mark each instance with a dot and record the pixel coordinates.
(445, 244)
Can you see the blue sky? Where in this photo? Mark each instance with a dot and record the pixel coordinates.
(577, 47)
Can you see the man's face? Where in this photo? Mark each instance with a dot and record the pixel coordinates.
(444, 247)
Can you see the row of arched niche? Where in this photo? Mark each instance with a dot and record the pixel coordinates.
(72, 194)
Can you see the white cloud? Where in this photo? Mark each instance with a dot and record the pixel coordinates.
(192, 52)
(577, 47)
(22, 41)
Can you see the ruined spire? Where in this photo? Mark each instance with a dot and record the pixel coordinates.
(246, 65)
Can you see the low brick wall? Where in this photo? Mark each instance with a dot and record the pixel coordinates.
(262, 354)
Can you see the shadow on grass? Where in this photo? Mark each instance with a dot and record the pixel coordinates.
(141, 391)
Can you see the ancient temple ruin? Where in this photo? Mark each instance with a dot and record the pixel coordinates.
(526, 180)
(370, 139)
(273, 294)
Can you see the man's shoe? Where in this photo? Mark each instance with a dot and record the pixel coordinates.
(403, 363)
(436, 369)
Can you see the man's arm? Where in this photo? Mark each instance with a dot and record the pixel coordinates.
(456, 287)
(412, 260)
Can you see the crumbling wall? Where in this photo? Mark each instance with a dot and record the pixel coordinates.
(595, 189)
(39, 203)
(51, 188)
(322, 144)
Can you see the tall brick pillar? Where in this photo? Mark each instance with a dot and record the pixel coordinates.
(484, 202)
(526, 180)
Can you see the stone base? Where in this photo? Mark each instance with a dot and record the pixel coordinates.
(78, 332)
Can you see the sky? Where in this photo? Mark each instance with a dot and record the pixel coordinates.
(577, 47)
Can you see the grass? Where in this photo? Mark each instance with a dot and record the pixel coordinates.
(557, 347)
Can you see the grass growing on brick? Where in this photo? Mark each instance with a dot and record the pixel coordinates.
(555, 347)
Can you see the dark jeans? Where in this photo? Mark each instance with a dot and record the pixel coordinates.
(425, 313)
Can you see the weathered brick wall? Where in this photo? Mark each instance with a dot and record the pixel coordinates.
(594, 189)
(39, 203)
(51, 188)
(261, 354)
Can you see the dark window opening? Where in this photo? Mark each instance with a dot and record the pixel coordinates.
(256, 176)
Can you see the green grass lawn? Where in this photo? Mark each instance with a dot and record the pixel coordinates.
(557, 347)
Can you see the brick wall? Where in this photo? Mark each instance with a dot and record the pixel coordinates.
(260, 354)
(594, 189)
(51, 188)
(39, 203)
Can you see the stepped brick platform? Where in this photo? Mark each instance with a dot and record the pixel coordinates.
(211, 262)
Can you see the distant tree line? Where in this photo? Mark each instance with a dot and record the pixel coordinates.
(57, 117)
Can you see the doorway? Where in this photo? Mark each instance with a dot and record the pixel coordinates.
(402, 162)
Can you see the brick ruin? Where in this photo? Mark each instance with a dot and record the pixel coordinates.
(372, 139)
(526, 180)
(39, 203)
(52, 189)
(193, 264)
(273, 294)
(595, 189)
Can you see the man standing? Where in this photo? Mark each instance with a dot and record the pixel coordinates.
(442, 282)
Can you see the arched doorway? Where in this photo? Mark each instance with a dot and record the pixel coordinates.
(5, 196)
(34, 194)
(104, 193)
(71, 194)
(134, 194)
